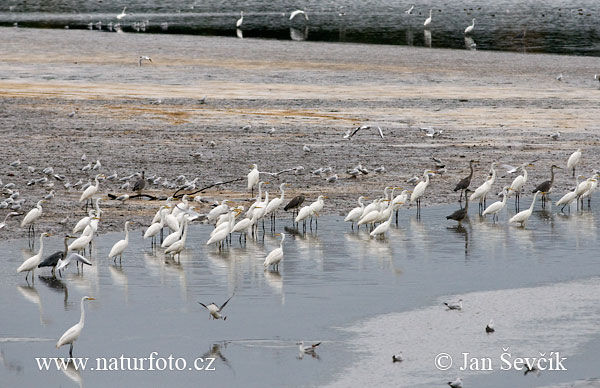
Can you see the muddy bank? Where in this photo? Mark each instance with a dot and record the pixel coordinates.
(491, 107)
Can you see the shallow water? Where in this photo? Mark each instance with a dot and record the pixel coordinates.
(557, 26)
(363, 299)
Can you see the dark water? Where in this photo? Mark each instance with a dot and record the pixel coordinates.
(362, 298)
(552, 26)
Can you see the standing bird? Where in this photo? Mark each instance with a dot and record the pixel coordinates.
(73, 333)
(276, 202)
(140, 184)
(276, 255)
(465, 182)
(518, 182)
(574, 160)
(524, 215)
(239, 22)
(32, 216)
(546, 186)
(253, 178)
(355, 214)
(52, 260)
(31, 264)
(470, 28)
(298, 12)
(119, 247)
(495, 208)
(294, 204)
(461, 214)
(419, 190)
(482, 191)
(90, 191)
(428, 20)
(490, 327)
(215, 310)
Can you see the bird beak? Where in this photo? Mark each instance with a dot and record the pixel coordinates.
(91, 298)
(266, 183)
(325, 197)
(409, 191)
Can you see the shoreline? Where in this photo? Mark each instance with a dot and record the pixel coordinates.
(491, 105)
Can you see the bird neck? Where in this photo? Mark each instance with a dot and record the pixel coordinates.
(282, 195)
(471, 173)
(126, 233)
(66, 248)
(41, 246)
(281, 243)
(524, 173)
(504, 196)
(184, 235)
(533, 201)
(551, 175)
(82, 318)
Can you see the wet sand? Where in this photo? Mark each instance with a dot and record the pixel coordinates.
(491, 106)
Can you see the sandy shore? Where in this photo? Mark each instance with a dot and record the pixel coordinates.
(491, 106)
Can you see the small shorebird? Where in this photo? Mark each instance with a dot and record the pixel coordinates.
(144, 58)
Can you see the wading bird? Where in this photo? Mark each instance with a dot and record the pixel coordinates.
(239, 22)
(298, 12)
(73, 333)
(497, 206)
(32, 216)
(428, 20)
(469, 29)
(31, 264)
(524, 215)
(253, 178)
(546, 186)
(463, 213)
(574, 160)
(276, 255)
(465, 182)
(120, 246)
(52, 260)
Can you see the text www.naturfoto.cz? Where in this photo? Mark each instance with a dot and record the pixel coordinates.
(124, 363)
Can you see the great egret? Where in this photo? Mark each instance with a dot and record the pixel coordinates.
(90, 191)
(574, 160)
(178, 246)
(524, 215)
(419, 190)
(384, 226)
(175, 236)
(239, 22)
(298, 12)
(464, 183)
(482, 191)
(217, 211)
(140, 183)
(253, 177)
(120, 246)
(82, 241)
(428, 20)
(462, 213)
(546, 186)
(470, 28)
(456, 383)
(214, 310)
(3, 224)
(32, 216)
(119, 16)
(355, 214)
(156, 227)
(276, 202)
(31, 264)
(72, 335)
(303, 214)
(495, 208)
(276, 255)
(588, 193)
(454, 305)
(518, 182)
(567, 199)
(85, 221)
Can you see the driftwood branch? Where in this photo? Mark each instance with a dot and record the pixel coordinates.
(150, 197)
(176, 194)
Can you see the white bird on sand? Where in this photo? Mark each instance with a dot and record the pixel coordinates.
(454, 305)
(90, 191)
(306, 148)
(574, 160)
(559, 77)
(522, 216)
(120, 246)
(276, 255)
(419, 189)
(215, 310)
(428, 20)
(456, 383)
(409, 11)
(298, 12)
(470, 28)
(31, 264)
(72, 335)
(144, 58)
(239, 22)
(555, 135)
(32, 216)
(253, 177)
(3, 224)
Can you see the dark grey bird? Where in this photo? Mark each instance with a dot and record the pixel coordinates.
(461, 214)
(294, 204)
(52, 260)
(546, 186)
(349, 134)
(490, 327)
(140, 183)
(465, 182)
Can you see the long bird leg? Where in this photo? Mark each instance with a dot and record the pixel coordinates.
(71, 350)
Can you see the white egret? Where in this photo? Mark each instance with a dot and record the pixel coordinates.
(298, 12)
(523, 216)
(317, 206)
(239, 22)
(518, 182)
(72, 335)
(303, 214)
(82, 241)
(574, 160)
(419, 190)
(85, 221)
(276, 202)
(383, 227)
(217, 211)
(253, 177)
(470, 28)
(120, 246)
(497, 206)
(119, 16)
(178, 246)
(156, 227)
(33, 215)
(482, 191)
(428, 20)
(73, 257)
(90, 191)
(171, 238)
(588, 193)
(31, 264)
(3, 224)
(276, 255)
(355, 214)
(215, 310)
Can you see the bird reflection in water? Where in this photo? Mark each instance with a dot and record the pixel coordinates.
(57, 285)
(299, 34)
(427, 38)
(462, 230)
(32, 295)
(215, 352)
(73, 373)
(13, 366)
(470, 43)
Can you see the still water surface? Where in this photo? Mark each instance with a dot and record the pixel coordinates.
(364, 299)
